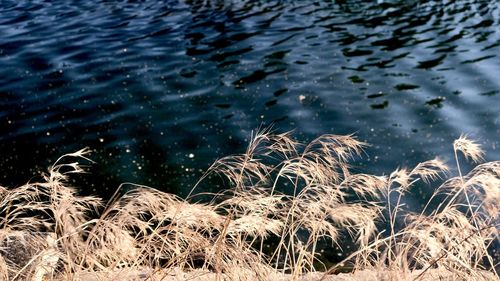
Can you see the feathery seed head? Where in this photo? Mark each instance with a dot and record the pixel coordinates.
(469, 148)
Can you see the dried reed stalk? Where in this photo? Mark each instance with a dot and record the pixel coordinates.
(299, 194)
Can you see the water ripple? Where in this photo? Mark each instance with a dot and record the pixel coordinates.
(157, 80)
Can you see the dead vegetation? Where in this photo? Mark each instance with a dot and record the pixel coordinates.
(298, 193)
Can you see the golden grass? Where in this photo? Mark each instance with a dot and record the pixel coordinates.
(299, 193)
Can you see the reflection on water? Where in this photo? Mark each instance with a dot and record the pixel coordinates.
(161, 88)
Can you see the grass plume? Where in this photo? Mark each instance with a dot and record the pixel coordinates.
(297, 195)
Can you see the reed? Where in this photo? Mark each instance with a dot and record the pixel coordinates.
(298, 195)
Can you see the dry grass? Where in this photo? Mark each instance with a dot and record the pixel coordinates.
(299, 193)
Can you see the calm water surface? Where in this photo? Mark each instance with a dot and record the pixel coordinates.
(159, 89)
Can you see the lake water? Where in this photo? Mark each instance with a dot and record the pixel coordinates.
(160, 89)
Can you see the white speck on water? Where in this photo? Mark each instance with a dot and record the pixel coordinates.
(127, 150)
(302, 98)
(191, 155)
(101, 139)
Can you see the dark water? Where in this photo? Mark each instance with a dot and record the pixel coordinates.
(159, 89)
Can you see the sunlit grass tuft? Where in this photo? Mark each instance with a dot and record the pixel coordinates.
(283, 200)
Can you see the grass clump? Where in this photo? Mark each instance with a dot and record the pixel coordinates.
(297, 195)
